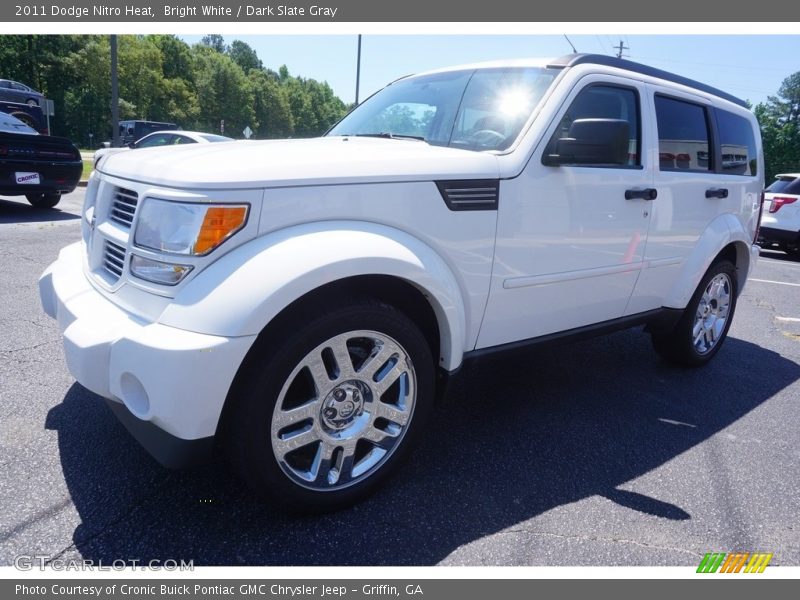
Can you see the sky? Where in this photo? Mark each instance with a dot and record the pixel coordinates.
(751, 67)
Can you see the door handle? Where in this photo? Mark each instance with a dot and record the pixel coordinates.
(717, 193)
(645, 194)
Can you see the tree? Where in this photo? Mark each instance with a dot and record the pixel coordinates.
(223, 92)
(215, 42)
(271, 106)
(779, 119)
(244, 56)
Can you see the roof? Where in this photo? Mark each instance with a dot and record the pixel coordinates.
(572, 60)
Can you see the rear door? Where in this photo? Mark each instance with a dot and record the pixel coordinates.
(684, 171)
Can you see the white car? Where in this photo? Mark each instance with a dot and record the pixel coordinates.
(163, 138)
(299, 302)
(780, 220)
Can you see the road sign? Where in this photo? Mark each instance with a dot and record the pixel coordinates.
(247, 132)
(49, 107)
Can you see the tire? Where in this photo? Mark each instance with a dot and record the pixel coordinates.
(44, 200)
(315, 433)
(704, 325)
(31, 102)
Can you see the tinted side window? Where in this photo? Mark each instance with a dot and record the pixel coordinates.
(738, 144)
(604, 102)
(682, 135)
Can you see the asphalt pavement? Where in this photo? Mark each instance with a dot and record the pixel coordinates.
(594, 453)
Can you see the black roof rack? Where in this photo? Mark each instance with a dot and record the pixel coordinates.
(571, 60)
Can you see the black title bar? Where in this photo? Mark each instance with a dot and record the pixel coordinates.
(148, 11)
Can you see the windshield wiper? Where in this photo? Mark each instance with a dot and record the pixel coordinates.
(391, 136)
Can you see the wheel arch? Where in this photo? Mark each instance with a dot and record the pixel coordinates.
(725, 237)
(245, 290)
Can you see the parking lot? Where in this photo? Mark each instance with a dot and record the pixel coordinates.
(595, 453)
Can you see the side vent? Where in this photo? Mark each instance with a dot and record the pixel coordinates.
(470, 194)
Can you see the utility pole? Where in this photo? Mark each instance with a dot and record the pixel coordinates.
(620, 48)
(358, 68)
(114, 95)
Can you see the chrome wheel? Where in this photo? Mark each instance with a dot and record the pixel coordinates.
(712, 313)
(343, 410)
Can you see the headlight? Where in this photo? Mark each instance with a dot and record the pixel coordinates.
(157, 271)
(186, 228)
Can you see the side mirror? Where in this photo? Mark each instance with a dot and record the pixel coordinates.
(132, 145)
(592, 142)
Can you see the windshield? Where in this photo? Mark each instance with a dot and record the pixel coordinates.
(480, 110)
(210, 137)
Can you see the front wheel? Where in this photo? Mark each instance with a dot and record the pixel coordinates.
(44, 200)
(705, 322)
(326, 417)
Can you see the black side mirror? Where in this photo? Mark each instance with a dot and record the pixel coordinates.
(132, 145)
(592, 142)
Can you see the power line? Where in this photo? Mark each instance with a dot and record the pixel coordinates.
(602, 46)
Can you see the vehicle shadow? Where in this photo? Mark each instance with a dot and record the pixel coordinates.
(19, 211)
(515, 438)
(777, 255)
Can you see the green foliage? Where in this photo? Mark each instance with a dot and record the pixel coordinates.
(244, 56)
(161, 78)
(779, 119)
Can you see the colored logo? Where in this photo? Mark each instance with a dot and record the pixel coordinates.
(745, 562)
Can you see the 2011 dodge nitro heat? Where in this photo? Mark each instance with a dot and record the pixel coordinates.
(296, 300)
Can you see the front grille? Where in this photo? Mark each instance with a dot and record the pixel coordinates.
(113, 260)
(123, 206)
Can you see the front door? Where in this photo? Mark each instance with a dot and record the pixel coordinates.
(569, 242)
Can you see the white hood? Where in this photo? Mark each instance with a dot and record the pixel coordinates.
(282, 163)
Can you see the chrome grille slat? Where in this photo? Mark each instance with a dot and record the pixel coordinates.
(123, 206)
(113, 260)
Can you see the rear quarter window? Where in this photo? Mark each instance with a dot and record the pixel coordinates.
(738, 144)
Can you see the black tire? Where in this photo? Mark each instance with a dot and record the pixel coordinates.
(44, 200)
(678, 346)
(270, 373)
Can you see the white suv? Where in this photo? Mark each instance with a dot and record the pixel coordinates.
(780, 220)
(298, 301)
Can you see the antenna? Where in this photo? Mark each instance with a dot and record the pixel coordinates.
(570, 44)
(620, 48)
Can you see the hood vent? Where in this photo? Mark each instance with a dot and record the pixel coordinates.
(470, 194)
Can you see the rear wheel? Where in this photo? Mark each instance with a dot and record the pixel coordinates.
(704, 325)
(323, 419)
(48, 200)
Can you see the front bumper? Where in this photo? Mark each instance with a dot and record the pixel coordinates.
(167, 385)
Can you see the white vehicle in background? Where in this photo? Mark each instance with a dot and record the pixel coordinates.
(780, 221)
(296, 302)
(163, 138)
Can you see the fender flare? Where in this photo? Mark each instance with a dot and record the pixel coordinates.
(239, 294)
(721, 232)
